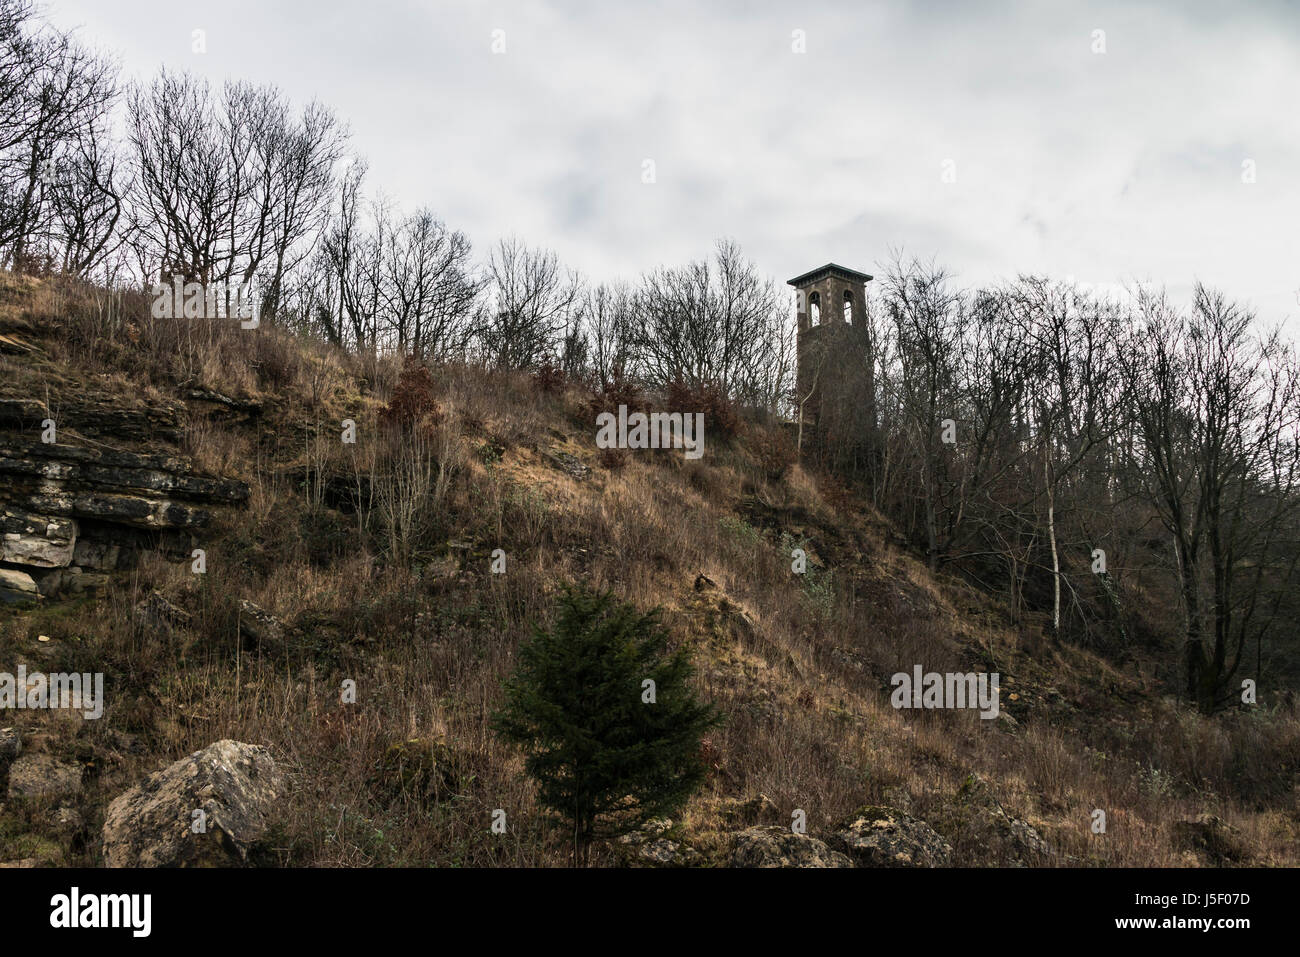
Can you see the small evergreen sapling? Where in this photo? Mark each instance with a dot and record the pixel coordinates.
(604, 757)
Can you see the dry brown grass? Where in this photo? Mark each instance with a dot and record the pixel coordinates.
(799, 664)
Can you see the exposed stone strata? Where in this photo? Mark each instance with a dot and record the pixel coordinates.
(93, 414)
(42, 541)
(74, 511)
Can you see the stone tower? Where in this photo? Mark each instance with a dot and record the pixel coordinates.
(834, 352)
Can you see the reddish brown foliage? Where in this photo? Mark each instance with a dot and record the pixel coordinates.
(720, 416)
(612, 459)
(774, 449)
(549, 378)
(412, 402)
(618, 391)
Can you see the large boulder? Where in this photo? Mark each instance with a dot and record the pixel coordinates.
(235, 785)
(887, 837)
(780, 847)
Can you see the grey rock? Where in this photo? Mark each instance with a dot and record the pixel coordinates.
(1021, 836)
(259, 624)
(780, 847)
(666, 853)
(236, 785)
(159, 616)
(888, 837)
(68, 820)
(99, 414)
(93, 582)
(43, 776)
(651, 845)
(568, 463)
(1213, 839)
(233, 404)
(41, 541)
(11, 745)
(98, 556)
(16, 586)
(51, 581)
(653, 828)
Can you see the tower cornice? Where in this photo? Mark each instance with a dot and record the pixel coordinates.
(830, 269)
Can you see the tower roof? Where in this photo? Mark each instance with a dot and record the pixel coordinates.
(830, 269)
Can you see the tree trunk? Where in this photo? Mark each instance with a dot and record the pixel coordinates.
(1056, 560)
(931, 531)
(1015, 593)
(1200, 679)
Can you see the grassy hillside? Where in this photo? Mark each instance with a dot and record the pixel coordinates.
(394, 590)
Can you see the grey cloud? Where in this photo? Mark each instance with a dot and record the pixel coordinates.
(1104, 166)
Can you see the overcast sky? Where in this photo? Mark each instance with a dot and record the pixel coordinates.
(1105, 167)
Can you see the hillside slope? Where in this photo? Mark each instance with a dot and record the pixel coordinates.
(322, 565)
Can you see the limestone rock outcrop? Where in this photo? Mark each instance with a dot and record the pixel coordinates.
(79, 508)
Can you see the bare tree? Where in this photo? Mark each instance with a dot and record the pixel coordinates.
(1217, 408)
(533, 301)
(347, 250)
(711, 322)
(427, 291)
(230, 189)
(1073, 408)
(181, 205)
(54, 95)
(929, 325)
(608, 312)
(294, 172)
(87, 203)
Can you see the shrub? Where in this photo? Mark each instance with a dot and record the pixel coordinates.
(421, 770)
(490, 452)
(278, 360)
(720, 416)
(774, 450)
(612, 459)
(618, 391)
(324, 534)
(412, 403)
(549, 379)
(604, 757)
